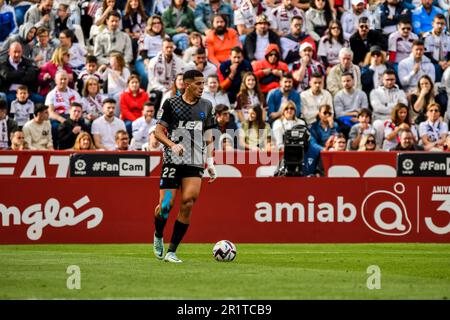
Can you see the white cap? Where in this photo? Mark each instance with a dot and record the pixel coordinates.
(305, 45)
(356, 2)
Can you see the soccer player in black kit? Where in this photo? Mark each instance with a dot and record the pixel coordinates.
(184, 124)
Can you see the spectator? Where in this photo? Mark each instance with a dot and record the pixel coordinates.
(72, 127)
(383, 100)
(115, 77)
(255, 134)
(350, 18)
(162, 71)
(18, 141)
(423, 95)
(83, 142)
(142, 126)
(330, 45)
(59, 100)
(77, 53)
(204, 12)
(257, 41)
(104, 128)
(131, 102)
(437, 45)
(294, 39)
(38, 132)
(368, 143)
(336, 142)
(91, 70)
(195, 43)
(20, 8)
(224, 124)
(60, 61)
(249, 96)
(179, 22)
(363, 40)
(22, 108)
(43, 49)
(406, 142)
(41, 15)
(202, 64)
(220, 40)
(349, 101)
(134, 22)
(17, 70)
(318, 17)
(214, 93)
(270, 69)
(152, 144)
(400, 42)
(313, 98)
(414, 67)
(176, 90)
(150, 45)
(8, 19)
(305, 67)
(7, 126)
(92, 100)
(334, 81)
(422, 17)
(373, 68)
(279, 95)
(361, 129)
(282, 15)
(391, 13)
(101, 16)
(433, 131)
(400, 119)
(321, 130)
(230, 72)
(112, 40)
(67, 19)
(25, 38)
(245, 15)
(122, 141)
(286, 122)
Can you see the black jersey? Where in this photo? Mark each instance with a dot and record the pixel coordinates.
(186, 124)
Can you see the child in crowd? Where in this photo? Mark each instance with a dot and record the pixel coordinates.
(22, 109)
(43, 49)
(361, 129)
(91, 70)
(195, 42)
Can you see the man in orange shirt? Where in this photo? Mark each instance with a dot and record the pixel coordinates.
(220, 40)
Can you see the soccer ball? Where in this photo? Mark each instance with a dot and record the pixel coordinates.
(224, 250)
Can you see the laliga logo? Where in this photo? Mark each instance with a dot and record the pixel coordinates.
(80, 164)
(407, 164)
(385, 213)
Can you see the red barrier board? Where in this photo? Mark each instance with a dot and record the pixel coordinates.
(254, 210)
(360, 164)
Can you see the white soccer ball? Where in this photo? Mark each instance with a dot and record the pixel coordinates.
(224, 250)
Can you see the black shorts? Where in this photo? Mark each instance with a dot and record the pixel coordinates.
(171, 175)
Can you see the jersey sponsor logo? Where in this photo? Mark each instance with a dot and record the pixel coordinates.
(190, 125)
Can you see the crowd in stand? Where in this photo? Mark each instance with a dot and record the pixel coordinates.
(361, 74)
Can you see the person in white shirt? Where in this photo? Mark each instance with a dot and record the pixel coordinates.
(104, 128)
(313, 98)
(415, 66)
(383, 100)
(281, 17)
(400, 42)
(433, 131)
(141, 126)
(286, 122)
(245, 15)
(202, 64)
(213, 93)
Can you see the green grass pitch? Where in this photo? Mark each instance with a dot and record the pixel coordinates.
(260, 271)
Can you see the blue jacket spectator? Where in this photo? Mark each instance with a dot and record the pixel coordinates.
(8, 23)
(423, 16)
(401, 11)
(204, 13)
(276, 96)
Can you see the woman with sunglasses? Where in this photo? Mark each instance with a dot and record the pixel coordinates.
(60, 61)
(321, 130)
(287, 120)
(433, 131)
(330, 45)
(368, 143)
